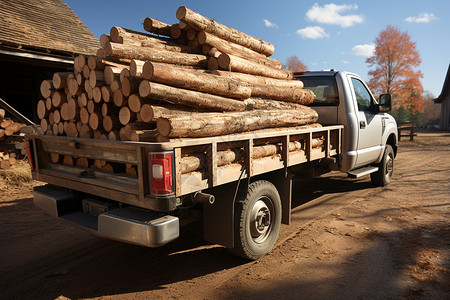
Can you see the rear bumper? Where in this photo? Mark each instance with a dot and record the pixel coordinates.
(129, 224)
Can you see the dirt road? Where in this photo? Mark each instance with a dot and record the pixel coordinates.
(348, 240)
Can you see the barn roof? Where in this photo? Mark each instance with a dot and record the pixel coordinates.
(48, 25)
(445, 88)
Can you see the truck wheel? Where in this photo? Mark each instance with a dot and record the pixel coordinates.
(257, 220)
(385, 168)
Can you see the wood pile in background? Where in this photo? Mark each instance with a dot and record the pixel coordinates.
(11, 141)
(195, 78)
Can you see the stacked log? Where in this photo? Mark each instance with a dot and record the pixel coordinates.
(195, 78)
(11, 141)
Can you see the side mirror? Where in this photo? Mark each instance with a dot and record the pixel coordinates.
(384, 103)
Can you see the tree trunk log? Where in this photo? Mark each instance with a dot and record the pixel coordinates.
(150, 113)
(238, 50)
(252, 104)
(237, 64)
(288, 94)
(156, 27)
(188, 97)
(136, 67)
(111, 123)
(213, 124)
(60, 79)
(211, 26)
(193, 80)
(253, 79)
(130, 85)
(131, 52)
(146, 135)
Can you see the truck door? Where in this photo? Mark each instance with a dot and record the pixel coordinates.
(370, 125)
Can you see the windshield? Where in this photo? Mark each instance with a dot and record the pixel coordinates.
(324, 88)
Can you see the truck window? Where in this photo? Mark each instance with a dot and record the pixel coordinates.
(362, 95)
(324, 89)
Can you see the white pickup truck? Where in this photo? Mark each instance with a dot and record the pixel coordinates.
(243, 202)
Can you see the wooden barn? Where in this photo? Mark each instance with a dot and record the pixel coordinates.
(37, 38)
(444, 100)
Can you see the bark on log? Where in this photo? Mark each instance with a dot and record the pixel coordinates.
(227, 33)
(156, 27)
(188, 97)
(238, 64)
(301, 96)
(150, 113)
(136, 67)
(111, 73)
(252, 104)
(193, 80)
(131, 52)
(130, 85)
(213, 124)
(146, 135)
(253, 79)
(236, 49)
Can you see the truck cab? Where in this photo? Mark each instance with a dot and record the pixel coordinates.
(343, 98)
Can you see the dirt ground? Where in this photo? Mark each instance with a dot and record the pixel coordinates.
(347, 240)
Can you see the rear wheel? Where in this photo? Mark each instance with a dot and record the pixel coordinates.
(385, 168)
(257, 220)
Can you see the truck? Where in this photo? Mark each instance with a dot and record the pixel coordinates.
(243, 202)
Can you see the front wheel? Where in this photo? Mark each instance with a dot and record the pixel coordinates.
(257, 220)
(385, 168)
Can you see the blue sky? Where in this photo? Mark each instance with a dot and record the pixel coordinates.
(323, 34)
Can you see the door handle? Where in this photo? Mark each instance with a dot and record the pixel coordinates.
(362, 124)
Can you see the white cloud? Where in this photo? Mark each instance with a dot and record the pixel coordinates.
(270, 24)
(331, 14)
(312, 32)
(365, 50)
(421, 18)
(345, 62)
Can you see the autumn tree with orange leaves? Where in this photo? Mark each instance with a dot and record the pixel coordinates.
(394, 59)
(294, 64)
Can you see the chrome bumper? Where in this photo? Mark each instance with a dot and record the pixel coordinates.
(129, 224)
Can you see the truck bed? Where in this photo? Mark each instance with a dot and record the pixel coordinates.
(136, 190)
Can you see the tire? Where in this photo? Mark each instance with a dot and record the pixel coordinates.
(257, 220)
(385, 168)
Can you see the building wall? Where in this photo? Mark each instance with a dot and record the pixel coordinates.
(445, 114)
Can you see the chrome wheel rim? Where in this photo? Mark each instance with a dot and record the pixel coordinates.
(261, 218)
(389, 167)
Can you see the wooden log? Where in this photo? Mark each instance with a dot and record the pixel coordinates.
(96, 78)
(79, 62)
(84, 116)
(253, 103)
(130, 85)
(5, 164)
(156, 27)
(86, 71)
(148, 135)
(109, 109)
(136, 67)
(95, 121)
(55, 157)
(149, 113)
(131, 171)
(114, 135)
(132, 52)
(98, 164)
(44, 126)
(3, 112)
(115, 85)
(126, 115)
(106, 93)
(60, 79)
(50, 118)
(111, 73)
(56, 116)
(74, 87)
(61, 128)
(126, 131)
(71, 129)
(68, 160)
(58, 99)
(238, 64)
(111, 123)
(46, 88)
(104, 38)
(175, 31)
(188, 97)
(119, 99)
(200, 22)
(213, 124)
(85, 132)
(97, 94)
(65, 111)
(253, 79)
(301, 96)
(202, 82)
(82, 162)
(213, 64)
(236, 49)
(41, 111)
(135, 102)
(93, 107)
(124, 73)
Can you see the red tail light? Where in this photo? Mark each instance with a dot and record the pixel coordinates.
(161, 173)
(29, 154)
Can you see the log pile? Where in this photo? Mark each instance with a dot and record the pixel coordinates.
(195, 78)
(11, 141)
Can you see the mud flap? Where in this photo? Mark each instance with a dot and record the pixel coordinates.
(218, 218)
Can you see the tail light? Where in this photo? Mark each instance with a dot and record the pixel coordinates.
(28, 146)
(161, 173)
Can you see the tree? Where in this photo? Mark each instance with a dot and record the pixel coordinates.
(295, 65)
(394, 58)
